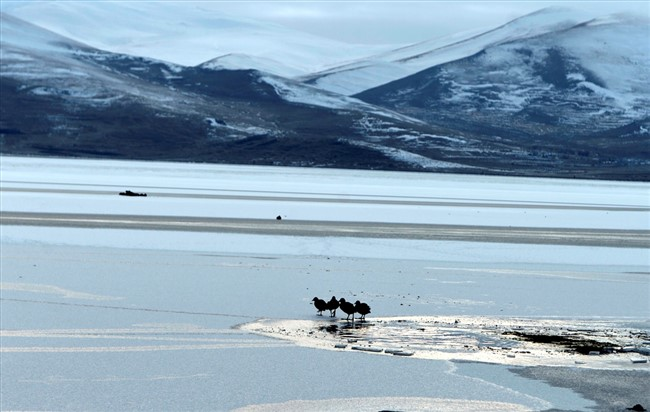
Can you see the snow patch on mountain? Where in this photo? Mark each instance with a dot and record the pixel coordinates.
(237, 131)
(238, 61)
(610, 48)
(299, 93)
(410, 158)
(296, 92)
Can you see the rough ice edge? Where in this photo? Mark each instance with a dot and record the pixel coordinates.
(480, 339)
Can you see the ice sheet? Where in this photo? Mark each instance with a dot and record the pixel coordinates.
(98, 319)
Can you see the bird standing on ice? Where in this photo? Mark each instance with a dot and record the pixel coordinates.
(332, 305)
(347, 307)
(320, 305)
(362, 309)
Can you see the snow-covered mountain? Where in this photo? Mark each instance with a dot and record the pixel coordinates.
(585, 87)
(549, 94)
(189, 33)
(61, 97)
(367, 73)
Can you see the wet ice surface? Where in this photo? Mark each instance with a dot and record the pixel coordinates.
(111, 328)
(227, 379)
(508, 341)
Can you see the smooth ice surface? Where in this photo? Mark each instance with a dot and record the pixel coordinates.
(314, 194)
(164, 340)
(98, 319)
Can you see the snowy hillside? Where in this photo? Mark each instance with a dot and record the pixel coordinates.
(549, 94)
(50, 66)
(368, 73)
(63, 98)
(586, 78)
(189, 33)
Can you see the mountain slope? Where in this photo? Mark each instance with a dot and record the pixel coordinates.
(60, 97)
(535, 105)
(583, 90)
(371, 72)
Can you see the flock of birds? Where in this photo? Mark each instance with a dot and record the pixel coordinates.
(348, 307)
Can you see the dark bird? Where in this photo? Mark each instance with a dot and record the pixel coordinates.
(362, 309)
(320, 305)
(332, 305)
(347, 307)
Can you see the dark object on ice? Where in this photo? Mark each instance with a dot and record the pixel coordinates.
(637, 408)
(348, 308)
(571, 343)
(320, 305)
(362, 309)
(278, 217)
(332, 305)
(333, 329)
(130, 193)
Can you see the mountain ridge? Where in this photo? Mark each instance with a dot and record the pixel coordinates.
(517, 107)
(187, 34)
(399, 63)
(70, 99)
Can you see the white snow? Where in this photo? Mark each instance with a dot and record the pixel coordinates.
(623, 72)
(467, 338)
(149, 320)
(238, 61)
(609, 48)
(301, 93)
(410, 158)
(189, 33)
(296, 92)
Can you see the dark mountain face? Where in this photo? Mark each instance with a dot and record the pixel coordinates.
(234, 122)
(539, 92)
(532, 96)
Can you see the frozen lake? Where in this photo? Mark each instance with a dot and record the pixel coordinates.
(98, 317)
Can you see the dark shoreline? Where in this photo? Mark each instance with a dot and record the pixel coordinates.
(271, 226)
